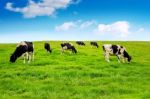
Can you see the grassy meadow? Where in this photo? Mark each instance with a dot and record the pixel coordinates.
(85, 75)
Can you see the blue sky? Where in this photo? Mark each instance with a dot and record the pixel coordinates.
(34, 20)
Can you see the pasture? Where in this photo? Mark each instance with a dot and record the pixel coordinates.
(85, 75)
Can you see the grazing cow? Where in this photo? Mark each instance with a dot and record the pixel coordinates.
(94, 44)
(68, 46)
(47, 47)
(80, 43)
(117, 50)
(23, 48)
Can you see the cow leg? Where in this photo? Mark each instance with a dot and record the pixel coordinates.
(71, 52)
(126, 60)
(123, 59)
(107, 57)
(24, 60)
(29, 59)
(33, 56)
(62, 51)
(25, 57)
(119, 58)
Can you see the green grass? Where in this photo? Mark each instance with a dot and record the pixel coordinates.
(85, 75)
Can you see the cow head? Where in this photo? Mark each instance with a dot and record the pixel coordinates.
(97, 45)
(129, 59)
(50, 50)
(62, 45)
(13, 58)
(127, 56)
(74, 49)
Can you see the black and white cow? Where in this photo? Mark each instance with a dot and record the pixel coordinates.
(117, 50)
(47, 47)
(68, 46)
(80, 43)
(94, 44)
(25, 49)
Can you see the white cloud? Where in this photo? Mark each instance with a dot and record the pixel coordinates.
(65, 26)
(87, 24)
(77, 25)
(119, 28)
(42, 8)
(115, 30)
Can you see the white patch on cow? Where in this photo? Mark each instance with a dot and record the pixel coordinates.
(21, 43)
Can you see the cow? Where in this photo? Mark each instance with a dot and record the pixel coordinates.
(25, 49)
(119, 51)
(68, 46)
(94, 44)
(47, 47)
(80, 43)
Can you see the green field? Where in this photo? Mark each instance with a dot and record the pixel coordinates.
(85, 75)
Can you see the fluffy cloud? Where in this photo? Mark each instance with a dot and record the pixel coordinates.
(65, 26)
(87, 24)
(42, 8)
(74, 25)
(120, 28)
(117, 29)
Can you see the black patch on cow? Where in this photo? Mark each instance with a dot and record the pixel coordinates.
(119, 51)
(29, 46)
(47, 47)
(68, 45)
(114, 48)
